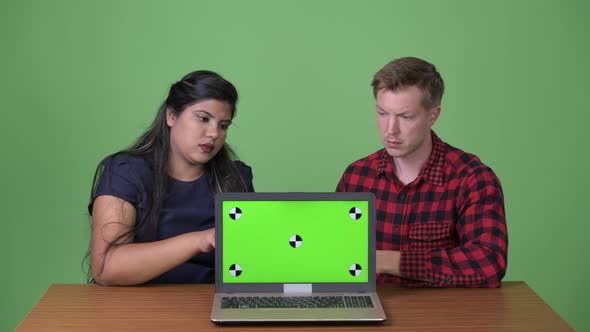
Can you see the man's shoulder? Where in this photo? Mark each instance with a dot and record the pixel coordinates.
(369, 162)
(464, 163)
(356, 174)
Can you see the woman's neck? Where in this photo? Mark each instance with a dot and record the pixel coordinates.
(184, 171)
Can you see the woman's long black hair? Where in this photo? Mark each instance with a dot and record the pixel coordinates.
(154, 145)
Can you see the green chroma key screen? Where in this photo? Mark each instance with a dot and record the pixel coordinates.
(295, 241)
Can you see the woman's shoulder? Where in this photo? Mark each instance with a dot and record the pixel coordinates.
(241, 165)
(244, 169)
(246, 173)
(128, 165)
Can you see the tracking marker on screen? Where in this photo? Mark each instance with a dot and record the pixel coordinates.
(295, 241)
(235, 213)
(355, 270)
(235, 270)
(355, 213)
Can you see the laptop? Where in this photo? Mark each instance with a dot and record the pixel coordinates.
(295, 257)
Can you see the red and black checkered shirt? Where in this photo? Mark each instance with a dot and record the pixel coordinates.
(449, 223)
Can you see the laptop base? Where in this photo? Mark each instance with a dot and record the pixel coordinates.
(299, 315)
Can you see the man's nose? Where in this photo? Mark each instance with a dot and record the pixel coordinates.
(393, 125)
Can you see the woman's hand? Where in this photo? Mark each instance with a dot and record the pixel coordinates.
(206, 240)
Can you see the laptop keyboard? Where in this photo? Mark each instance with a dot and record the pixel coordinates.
(249, 302)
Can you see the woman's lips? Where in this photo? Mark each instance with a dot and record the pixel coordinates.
(206, 148)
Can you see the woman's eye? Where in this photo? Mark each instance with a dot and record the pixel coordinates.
(203, 119)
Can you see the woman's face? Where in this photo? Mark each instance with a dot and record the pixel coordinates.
(198, 132)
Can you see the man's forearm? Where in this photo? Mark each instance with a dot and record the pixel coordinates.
(388, 261)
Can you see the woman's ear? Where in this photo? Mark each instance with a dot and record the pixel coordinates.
(170, 117)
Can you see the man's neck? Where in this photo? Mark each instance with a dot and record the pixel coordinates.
(407, 168)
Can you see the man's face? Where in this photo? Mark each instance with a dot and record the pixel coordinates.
(404, 123)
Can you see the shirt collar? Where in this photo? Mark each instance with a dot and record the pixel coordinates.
(432, 171)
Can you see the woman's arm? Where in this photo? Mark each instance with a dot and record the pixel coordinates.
(136, 263)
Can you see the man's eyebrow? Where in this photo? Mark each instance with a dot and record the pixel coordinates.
(404, 113)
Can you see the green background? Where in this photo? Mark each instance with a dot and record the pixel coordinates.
(259, 241)
(81, 79)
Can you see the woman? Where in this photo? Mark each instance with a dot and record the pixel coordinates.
(152, 205)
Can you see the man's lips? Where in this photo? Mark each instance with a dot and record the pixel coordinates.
(393, 143)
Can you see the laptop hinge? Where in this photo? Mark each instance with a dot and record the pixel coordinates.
(296, 288)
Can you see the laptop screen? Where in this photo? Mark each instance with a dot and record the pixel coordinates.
(288, 239)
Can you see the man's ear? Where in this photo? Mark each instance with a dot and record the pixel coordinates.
(433, 116)
(170, 117)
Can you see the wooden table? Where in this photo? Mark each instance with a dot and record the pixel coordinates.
(74, 307)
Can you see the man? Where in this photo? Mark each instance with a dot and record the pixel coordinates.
(440, 211)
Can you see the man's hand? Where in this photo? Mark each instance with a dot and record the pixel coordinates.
(388, 261)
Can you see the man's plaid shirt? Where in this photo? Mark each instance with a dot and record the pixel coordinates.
(449, 223)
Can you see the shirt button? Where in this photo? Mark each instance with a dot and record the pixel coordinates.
(401, 197)
(396, 227)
